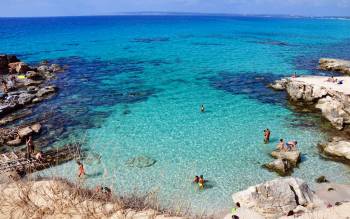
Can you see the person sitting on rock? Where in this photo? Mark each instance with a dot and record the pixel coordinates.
(292, 145)
(39, 156)
(281, 145)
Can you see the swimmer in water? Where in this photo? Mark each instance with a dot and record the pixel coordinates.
(201, 182)
(202, 108)
(196, 179)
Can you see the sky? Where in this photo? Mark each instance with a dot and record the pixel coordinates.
(34, 8)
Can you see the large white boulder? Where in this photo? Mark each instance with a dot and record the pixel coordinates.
(277, 197)
(339, 149)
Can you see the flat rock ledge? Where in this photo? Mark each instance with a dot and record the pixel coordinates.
(277, 197)
(285, 162)
(339, 65)
(331, 98)
(337, 149)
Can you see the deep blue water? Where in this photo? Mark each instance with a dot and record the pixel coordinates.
(135, 84)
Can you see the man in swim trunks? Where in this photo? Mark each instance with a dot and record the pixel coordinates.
(267, 134)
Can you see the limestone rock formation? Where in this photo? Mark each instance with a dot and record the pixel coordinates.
(337, 149)
(280, 166)
(292, 156)
(277, 197)
(335, 65)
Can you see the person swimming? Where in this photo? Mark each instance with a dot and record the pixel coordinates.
(196, 179)
(202, 108)
(201, 182)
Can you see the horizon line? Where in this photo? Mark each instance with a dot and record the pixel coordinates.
(164, 13)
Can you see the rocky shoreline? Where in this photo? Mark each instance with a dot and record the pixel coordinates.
(22, 87)
(329, 95)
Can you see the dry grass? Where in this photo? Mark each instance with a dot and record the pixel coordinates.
(44, 197)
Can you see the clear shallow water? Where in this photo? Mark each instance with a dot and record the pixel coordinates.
(135, 84)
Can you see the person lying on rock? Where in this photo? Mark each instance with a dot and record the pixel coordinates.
(332, 79)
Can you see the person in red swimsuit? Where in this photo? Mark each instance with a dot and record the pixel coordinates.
(267, 134)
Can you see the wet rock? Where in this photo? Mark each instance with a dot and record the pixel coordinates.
(12, 58)
(46, 90)
(3, 64)
(292, 156)
(32, 89)
(55, 68)
(34, 75)
(140, 162)
(43, 68)
(25, 98)
(24, 132)
(281, 166)
(36, 127)
(20, 67)
(322, 179)
(14, 116)
(275, 198)
(279, 85)
(14, 142)
(30, 82)
(8, 107)
(339, 65)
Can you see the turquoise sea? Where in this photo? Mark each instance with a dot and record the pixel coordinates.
(135, 84)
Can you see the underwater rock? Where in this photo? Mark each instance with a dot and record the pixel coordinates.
(140, 162)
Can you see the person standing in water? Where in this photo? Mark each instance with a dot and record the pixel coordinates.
(202, 108)
(81, 169)
(267, 134)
